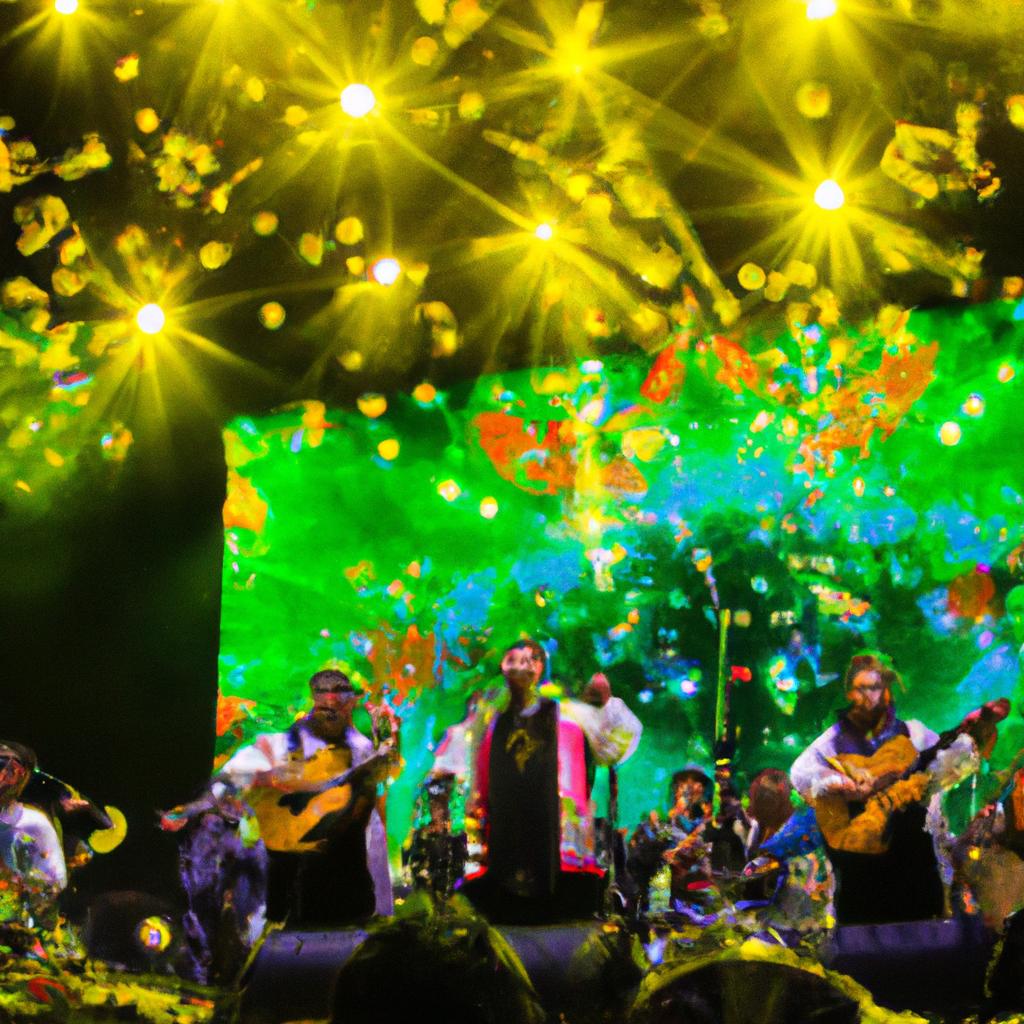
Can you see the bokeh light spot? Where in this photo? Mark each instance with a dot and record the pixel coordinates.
(272, 315)
(424, 393)
(147, 120)
(751, 277)
(1015, 110)
(974, 405)
(386, 271)
(449, 490)
(388, 449)
(264, 223)
(950, 433)
(372, 405)
(814, 100)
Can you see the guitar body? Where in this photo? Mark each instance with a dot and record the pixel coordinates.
(866, 832)
(280, 829)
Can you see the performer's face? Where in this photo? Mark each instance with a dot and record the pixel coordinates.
(867, 691)
(520, 667)
(689, 790)
(13, 776)
(333, 703)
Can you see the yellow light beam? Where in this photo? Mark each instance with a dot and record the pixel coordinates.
(457, 180)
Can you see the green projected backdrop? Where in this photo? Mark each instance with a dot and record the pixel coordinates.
(835, 490)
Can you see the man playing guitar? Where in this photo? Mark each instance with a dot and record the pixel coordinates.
(868, 780)
(313, 791)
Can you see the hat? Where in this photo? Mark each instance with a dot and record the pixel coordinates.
(692, 769)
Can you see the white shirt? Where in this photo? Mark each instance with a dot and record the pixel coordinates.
(812, 775)
(271, 750)
(29, 846)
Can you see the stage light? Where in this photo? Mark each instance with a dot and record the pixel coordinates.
(819, 10)
(829, 195)
(488, 508)
(1006, 373)
(950, 433)
(150, 319)
(544, 232)
(388, 449)
(154, 934)
(357, 100)
(386, 271)
(65, 6)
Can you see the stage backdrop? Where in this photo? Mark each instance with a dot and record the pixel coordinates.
(834, 490)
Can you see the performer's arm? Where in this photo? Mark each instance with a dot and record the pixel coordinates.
(813, 776)
(44, 858)
(237, 774)
(951, 766)
(613, 732)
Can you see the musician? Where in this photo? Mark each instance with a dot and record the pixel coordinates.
(531, 799)
(436, 856)
(901, 882)
(784, 846)
(31, 858)
(677, 840)
(346, 878)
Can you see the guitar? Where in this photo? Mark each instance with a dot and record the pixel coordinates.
(308, 801)
(901, 775)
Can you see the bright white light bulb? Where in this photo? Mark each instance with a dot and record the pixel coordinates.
(65, 6)
(386, 271)
(357, 100)
(819, 10)
(150, 319)
(828, 195)
(544, 232)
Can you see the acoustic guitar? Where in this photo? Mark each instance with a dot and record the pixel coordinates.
(304, 795)
(900, 770)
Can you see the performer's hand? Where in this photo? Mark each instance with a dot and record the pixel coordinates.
(851, 789)
(173, 820)
(860, 775)
(70, 804)
(762, 865)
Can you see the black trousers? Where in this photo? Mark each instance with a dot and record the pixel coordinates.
(329, 888)
(902, 884)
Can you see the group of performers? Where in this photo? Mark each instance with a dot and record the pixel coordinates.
(292, 828)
